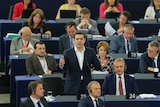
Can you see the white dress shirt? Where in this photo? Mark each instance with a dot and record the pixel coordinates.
(123, 84)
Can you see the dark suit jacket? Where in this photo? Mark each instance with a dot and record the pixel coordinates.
(73, 71)
(64, 43)
(87, 102)
(93, 30)
(145, 62)
(117, 45)
(33, 65)
(28, 103)
(109, 85)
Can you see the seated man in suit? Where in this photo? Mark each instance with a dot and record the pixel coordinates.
(150, 60)
(23, 44)
(84, 22)
(36, 98)
(124, 43)
(119, 83)
(77, 62)
(67, 40)
(92, 100)
(39, 62)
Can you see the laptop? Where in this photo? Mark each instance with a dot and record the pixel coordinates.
(68, 13)
(112, 14)
(26, 13)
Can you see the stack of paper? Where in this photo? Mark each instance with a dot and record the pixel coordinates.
(143, 96)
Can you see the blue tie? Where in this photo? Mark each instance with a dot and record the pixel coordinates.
(153, 63)
(38, 103)
(97, 105)
(71, 43)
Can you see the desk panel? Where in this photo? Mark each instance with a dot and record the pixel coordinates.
(144, 86)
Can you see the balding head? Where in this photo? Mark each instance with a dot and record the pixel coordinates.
(25, 33)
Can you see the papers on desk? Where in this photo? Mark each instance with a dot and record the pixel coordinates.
(12, 35)
(108, 28)
(97, 72)
(146, 96)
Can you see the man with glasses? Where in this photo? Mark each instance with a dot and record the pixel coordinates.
(150, 60)
(124, 43)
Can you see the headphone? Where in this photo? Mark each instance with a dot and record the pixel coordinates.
(90, 91)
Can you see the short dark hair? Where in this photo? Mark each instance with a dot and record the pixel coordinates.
(33, 85)
(70, 24)
(35, 45)
(78, 32)
(127, 14)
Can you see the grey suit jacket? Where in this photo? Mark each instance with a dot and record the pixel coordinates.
(28, 103)
(117, 45)
(93, 30)
(16, 45)
(146, 62)
(34, 67)
(64, 43)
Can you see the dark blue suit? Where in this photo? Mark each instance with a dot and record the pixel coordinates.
(64, 43)
(29, 103)
(73, 71)
(87, 102)
(145, 62)
(117, 45)
(109, 85)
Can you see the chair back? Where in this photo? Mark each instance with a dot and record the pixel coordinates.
(54, 84)
(10, 12)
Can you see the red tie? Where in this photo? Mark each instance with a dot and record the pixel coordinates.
(120, 86)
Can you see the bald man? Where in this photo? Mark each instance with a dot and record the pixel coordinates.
(23, 44)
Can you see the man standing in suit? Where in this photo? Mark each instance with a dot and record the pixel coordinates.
(84, 22)
(150, 60)
(39, 62)
(66, 41)
(119, 83)
(92, 100)
(36, 99)
(124, 43)
(23, 44)
(77, 62)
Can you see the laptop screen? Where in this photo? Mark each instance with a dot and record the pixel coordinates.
(68, 13)
(112, 14)
(26, 13)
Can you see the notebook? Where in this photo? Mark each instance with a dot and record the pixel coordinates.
(26, 13)
(68, 13)
(112, 14)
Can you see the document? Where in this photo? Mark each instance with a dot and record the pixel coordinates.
(146, 96)
(109, 29)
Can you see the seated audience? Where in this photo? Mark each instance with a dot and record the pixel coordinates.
(153, 10)
(119, 26)
(77, 62)
(39, 62)
(119, 83)
(84, 22)
(36, 98)
(124, 43)
(150, 60)
(36, 22)
(67, 40)
(105, 60)
(23, 44)
(92, 100)
(109, 6)
(69, 5)
(19, 7)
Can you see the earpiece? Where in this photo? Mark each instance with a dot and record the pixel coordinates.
(90, 91)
